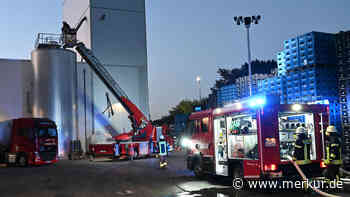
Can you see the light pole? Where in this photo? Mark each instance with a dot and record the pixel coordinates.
(198, 79)
(247, 22)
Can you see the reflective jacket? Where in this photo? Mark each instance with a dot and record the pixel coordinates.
(302, 149)
(163, 148)
(333, 149)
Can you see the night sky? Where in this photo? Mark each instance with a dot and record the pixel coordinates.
(186, 38)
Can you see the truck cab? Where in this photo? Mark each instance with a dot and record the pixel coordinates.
(28, 141)
(254, 138)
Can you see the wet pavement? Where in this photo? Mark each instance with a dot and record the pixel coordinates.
(123, 178)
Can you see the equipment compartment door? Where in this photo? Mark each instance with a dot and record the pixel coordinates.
(220, 137)
(251, 169)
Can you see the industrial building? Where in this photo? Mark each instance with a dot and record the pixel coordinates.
(56, 84)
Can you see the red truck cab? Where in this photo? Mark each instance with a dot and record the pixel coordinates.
(28, 141)
(253, 138)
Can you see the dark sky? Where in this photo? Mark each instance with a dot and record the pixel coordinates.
(187, 38)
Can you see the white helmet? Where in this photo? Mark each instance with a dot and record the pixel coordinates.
(331, 129)
(300, 130)
(161, 137)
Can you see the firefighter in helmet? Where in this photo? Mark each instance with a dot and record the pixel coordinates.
(302, 147)
(333, 153)
(163, 151)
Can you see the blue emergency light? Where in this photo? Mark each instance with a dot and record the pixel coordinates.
(257, 102)
(198, 108)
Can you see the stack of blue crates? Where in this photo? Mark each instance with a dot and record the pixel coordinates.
(274, 86)
(227, 94)
(306, 74)
(308, 63)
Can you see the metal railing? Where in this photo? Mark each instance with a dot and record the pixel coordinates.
(47, 39)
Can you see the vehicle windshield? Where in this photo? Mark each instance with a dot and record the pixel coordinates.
(288, 123)
(47, 133)
(47, 144)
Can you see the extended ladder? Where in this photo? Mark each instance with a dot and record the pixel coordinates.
(103, 74)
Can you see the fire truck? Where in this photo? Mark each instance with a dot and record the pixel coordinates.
(253, 138)
(139, 142)
(28, 141)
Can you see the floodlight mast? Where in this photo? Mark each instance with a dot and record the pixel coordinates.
(247, 22)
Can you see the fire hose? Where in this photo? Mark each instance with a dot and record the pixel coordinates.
(305, 179)
(344, 171)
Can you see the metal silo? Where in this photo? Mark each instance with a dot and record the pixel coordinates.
(55, 90)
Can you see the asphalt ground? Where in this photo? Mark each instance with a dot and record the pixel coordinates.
(144, 178)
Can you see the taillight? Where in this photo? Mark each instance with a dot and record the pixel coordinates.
(270, 167)
(323, 165)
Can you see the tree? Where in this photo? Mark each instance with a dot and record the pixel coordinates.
(229, 76)
(183, 107)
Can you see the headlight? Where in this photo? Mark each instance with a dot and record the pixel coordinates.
(186, 142)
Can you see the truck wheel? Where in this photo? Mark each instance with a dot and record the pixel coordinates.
(22, 160)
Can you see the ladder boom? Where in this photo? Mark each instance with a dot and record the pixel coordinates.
(142, 127)
(103, 74)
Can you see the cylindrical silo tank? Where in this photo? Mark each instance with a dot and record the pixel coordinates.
(55, 91)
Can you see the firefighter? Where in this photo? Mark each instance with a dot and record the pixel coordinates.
(302, 147)
(162, 152)
(333, 153)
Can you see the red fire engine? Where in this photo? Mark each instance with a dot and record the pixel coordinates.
(253, 138)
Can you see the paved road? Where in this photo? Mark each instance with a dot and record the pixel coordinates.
(119, 178)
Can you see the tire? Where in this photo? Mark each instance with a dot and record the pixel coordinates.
(22, 160)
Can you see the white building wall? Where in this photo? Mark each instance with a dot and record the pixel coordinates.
(14, 84)
(116, 33)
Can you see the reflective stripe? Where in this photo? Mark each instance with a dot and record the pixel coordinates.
(307, 141)
(332, 145)
(305, 152)
(336, 162)
(303, 162)
(297, 146)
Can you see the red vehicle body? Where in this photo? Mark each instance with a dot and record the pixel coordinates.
(252, 140)
(101, 150)
(30, 141)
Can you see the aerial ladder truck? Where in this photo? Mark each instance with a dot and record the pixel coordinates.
(142, 137)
